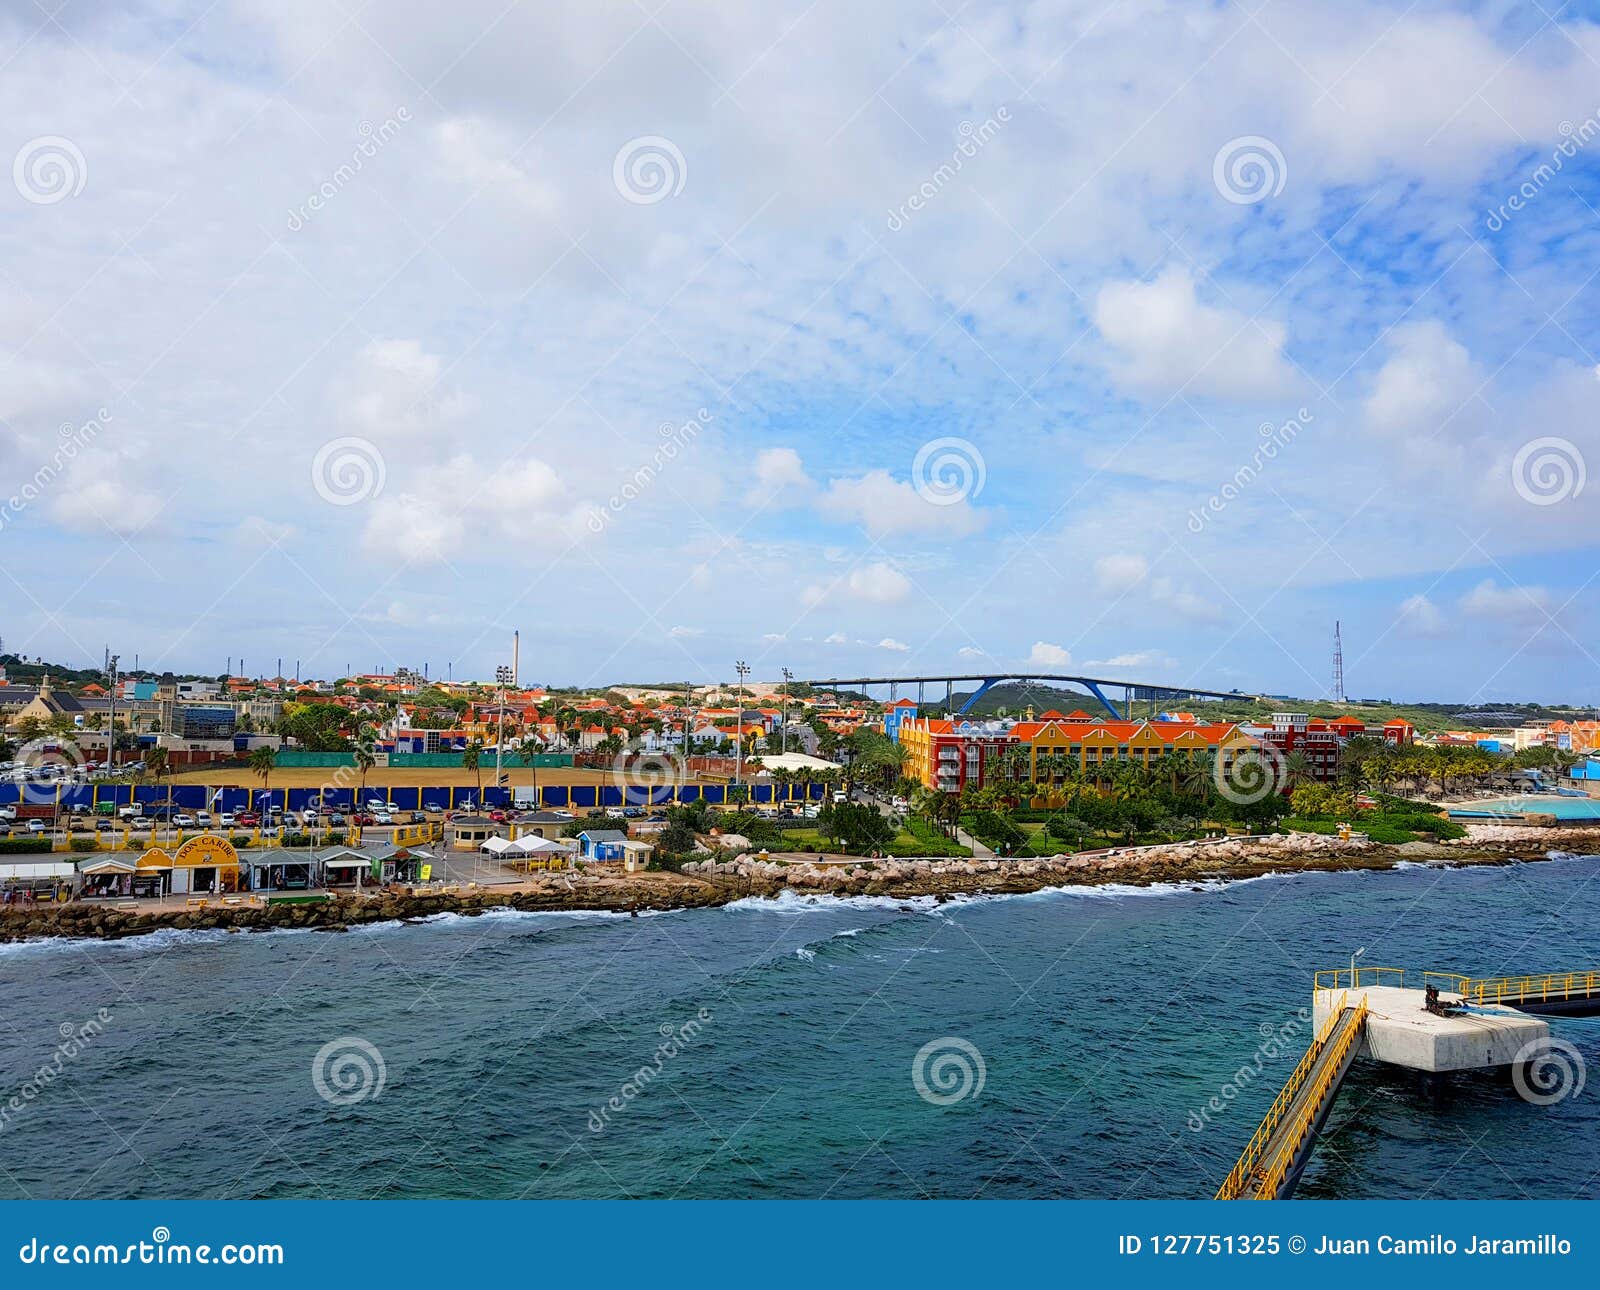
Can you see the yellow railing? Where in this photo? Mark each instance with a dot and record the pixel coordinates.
(1546, 987)
(1306, 1119)
(1339, 978)
(1233, 1187)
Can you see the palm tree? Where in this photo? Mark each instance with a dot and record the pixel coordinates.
(157, 767)
(1297, 769)
(365, 761)
(261, 762)
(528, 752)
(472, 759)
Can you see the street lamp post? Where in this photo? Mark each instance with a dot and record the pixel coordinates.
(788, 677)
(502, 676)
(111, 715)
(1353, 959)
(743, 669)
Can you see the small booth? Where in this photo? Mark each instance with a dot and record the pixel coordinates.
(152, 874)
(106, 876)
(343, 866)
(203, 865)
(602, 844)
(397, 864)
(280, 870)
(636, 856)
(36, 880)
(470, 832)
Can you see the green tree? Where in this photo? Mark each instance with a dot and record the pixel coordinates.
(855, 826)
(261, 762)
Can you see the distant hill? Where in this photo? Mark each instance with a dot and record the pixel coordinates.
(1012, 699)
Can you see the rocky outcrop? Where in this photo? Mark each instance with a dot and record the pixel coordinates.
(705, 884)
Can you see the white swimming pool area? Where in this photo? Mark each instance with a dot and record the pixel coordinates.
(1565, 808)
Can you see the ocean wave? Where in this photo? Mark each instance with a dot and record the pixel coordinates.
(789, 901)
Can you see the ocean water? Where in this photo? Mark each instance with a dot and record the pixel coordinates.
(771, 1049)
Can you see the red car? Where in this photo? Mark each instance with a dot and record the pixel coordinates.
(361, 819)
(248, 819)
(498, 816)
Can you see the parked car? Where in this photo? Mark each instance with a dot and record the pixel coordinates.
(37, 826)
(633, 812)
(227, 820)
(248, 819)
(105, 826)
(382, 817)
(433, 806)
(336, 819)
(498, 815)
(183, 821)
(203, 819)
(362, 819)
(309, 815)
(373, 804)
(141, 821)
(657, 817)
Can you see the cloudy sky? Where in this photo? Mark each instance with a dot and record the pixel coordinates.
(1135, 338)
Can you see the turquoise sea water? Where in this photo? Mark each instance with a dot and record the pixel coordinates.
(770, 1049)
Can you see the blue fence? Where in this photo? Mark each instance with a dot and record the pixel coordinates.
(201, 797)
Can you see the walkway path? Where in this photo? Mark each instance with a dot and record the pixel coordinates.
(979, 851)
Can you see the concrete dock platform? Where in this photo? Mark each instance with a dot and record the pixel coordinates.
(1402, 1032)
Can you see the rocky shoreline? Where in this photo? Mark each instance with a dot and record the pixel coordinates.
(702, 886)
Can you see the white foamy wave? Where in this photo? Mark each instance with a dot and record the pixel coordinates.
(805, 955)
(789, 901)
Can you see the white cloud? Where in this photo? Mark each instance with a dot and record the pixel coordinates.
(884, 505)
(1147, 658)
(971, 651)
(898, 647)
(1168, 342)
(836, 638)
(879, 583)
(777, 469)
(1419, 616)
(1427, 379)
(93, 504)
(1490, 601)
(1120, 572)
(1044, 654)
(1185, 602)
(685, 633)
(411, 528)
(394, 387)
(773, 638)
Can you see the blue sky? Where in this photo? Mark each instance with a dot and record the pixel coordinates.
(364, 329)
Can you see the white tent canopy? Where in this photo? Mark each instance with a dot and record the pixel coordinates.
(497, 845)
(41, 870)
(795, 761)
(533, 844)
